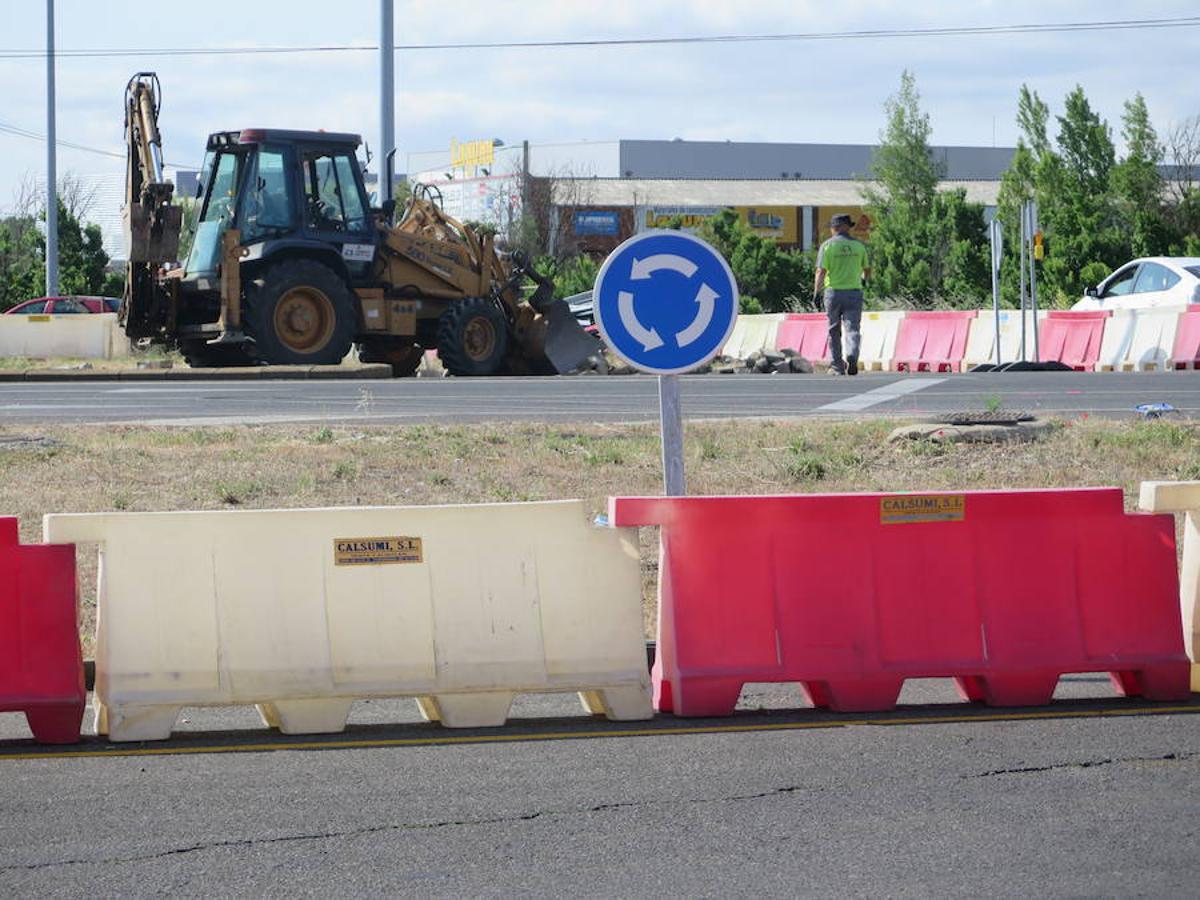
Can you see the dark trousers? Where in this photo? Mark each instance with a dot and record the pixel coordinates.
(843, 309)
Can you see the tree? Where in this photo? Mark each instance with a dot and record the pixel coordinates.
(82, 262)
(1137, 185)
(1072, 182)
(1182, 148)
(903, 166)
(768, 279)
(1034, 163)
(926, 247)
(1076, 209)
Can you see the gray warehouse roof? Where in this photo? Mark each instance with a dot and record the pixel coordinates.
(740, 159)
(733, 192)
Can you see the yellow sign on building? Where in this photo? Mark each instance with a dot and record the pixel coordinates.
(471, 154)
(775, 222)
(862, 221)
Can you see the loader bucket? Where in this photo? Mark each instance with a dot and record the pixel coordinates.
(567, 345)
(152, 233)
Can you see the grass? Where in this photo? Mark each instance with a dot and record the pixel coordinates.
(127, 468)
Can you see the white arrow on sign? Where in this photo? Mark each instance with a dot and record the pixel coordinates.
(644, 268)
(705, 298)
(647, 337)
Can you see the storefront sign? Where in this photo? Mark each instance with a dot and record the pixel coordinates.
(472, 154)
(601, 222)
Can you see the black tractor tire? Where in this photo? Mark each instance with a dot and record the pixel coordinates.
(200, 354)
(302, 313)
(472, 337)
(404, 359)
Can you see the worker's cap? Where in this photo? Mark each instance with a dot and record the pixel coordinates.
(841, 219)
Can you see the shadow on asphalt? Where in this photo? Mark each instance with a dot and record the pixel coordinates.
(567, 728)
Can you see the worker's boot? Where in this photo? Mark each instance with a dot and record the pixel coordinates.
(851, 365)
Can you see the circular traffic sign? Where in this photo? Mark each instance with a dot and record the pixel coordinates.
(665, 302)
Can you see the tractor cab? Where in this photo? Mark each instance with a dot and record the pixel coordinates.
(282, 190)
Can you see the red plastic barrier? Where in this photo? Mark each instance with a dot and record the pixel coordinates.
(1186, 352)
(1004, 591)
(41, 666)
(806, 333)
(932, 341)
(1073, 338)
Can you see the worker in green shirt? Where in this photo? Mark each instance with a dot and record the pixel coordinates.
(842, 270)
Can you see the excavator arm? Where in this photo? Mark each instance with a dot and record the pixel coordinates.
(151, 221)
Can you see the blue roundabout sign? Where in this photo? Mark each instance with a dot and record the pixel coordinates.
(665, 302)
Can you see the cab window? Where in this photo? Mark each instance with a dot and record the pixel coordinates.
(266, 206)
(1153, 277)
(218, 206)
(332, 200)
(1120, 284)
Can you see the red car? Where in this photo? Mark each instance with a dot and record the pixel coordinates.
(58, 306)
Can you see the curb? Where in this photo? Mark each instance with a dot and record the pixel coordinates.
(89, 666)
(265, 373)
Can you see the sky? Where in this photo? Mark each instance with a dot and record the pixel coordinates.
(815, 91)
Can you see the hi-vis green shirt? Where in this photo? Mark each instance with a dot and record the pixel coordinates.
(843, 258)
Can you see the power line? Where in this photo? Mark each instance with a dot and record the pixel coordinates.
(17, 131)
(877, 34)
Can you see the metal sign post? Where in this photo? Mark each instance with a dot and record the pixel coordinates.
(1021, 260)
(996, 231)
(671, 424)
(1034, 236)
(666, 302)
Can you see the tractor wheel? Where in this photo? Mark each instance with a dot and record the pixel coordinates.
(203, 355)
(301, 314)
(472, 337)
(404, 359)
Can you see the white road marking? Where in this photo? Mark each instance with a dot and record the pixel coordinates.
(896, 389)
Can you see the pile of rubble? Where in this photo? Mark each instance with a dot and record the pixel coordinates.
(760, 362)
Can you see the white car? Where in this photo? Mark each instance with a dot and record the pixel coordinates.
(1148, 282)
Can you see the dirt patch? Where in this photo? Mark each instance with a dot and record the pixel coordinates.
(94, 468)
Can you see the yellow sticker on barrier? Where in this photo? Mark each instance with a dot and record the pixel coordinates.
(922, 508)
(376, 551)
(38, 317)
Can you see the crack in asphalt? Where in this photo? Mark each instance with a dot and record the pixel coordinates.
(404, 826)
(1085, 764)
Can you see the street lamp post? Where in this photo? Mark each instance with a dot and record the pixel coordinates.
(51, 173)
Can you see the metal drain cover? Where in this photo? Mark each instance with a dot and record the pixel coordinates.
(995, 417)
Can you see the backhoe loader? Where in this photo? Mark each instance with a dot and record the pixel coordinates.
(289, 264)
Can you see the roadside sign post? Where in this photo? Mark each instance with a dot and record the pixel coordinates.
(1035, 244)
(1021, 263)
(996, 231)
(666, 302)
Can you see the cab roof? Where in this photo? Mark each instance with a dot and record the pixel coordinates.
(221, 139)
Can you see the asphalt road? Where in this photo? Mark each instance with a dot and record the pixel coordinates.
(1092, 796)
(1084, 798)
(595, 398)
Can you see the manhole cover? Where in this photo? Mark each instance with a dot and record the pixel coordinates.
(995, 417)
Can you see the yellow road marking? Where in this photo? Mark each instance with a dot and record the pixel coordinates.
(614, 732)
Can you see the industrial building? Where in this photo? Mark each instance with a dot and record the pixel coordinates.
(595, 194)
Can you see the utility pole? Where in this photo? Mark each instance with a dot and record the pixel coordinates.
(51, 167)
(387, 96)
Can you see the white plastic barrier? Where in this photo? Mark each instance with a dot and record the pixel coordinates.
(302, 611)
(981, 339)
(879, 331)
(1139, 340)
(751, 333)
(80, 335)
(1183, 497)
